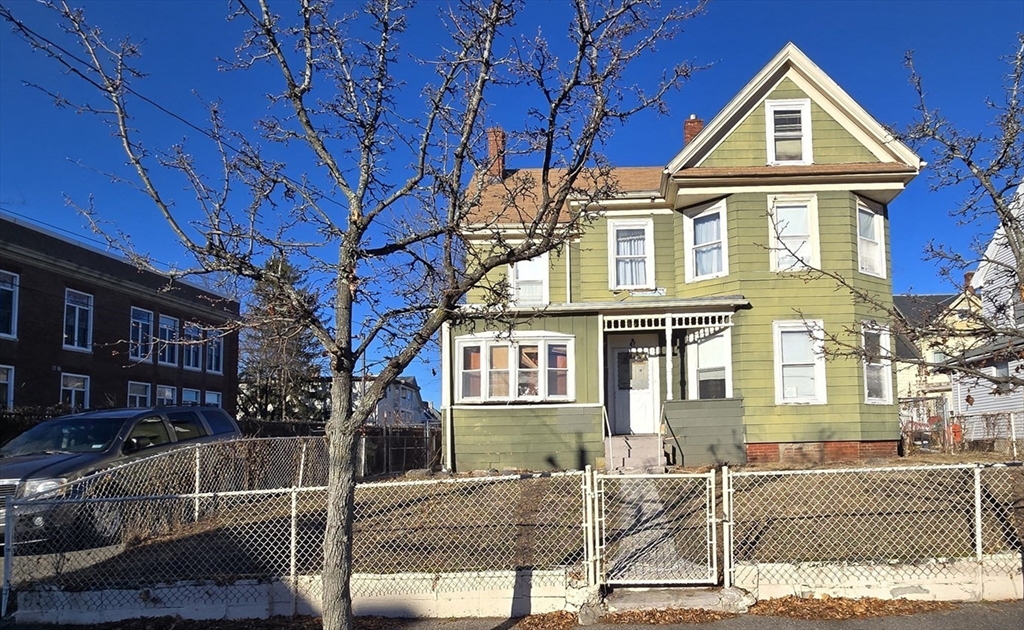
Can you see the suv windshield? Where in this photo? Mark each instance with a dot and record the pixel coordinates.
(65, 435)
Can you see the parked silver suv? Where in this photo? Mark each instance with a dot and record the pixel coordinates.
(63, 449)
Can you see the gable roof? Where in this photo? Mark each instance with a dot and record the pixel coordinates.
(920, 310)
(998, 242)
(515, 198)
(793, 63)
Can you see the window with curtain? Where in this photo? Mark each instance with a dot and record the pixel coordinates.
(529, 281)
(707, 245)
(632, 258)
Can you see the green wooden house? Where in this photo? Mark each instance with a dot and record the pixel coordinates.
(682, 326)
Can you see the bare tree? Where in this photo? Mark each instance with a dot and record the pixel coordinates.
(987, 167)
(378, 210)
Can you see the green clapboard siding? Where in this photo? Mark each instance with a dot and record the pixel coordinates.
(592, 264)
(705, 432)
(532, 437)
(830, 142)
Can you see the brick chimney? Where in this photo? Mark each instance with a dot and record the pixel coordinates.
(496, 153)
(691, 128)
(968, 278)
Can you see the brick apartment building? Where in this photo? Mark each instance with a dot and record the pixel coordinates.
(83, 327)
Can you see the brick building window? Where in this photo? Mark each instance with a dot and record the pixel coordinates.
(138, 394)
(212, 398)
(168, 353)
(77, 320)
(6, 386)
(141, 338)
(8, 305)
(74, 391)
(215, 355)
(192, 348)
(166, 395)
(189, 396)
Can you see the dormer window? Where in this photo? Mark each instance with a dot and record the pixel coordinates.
(788, 130)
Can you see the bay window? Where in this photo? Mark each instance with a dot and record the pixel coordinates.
(799, 362)
(534, 367)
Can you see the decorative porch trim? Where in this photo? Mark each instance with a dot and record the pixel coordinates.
(667, 321)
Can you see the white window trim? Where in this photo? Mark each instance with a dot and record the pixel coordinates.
(173, 343)
(886, 363)
(879, 223)
(88, 387)
(802, 104)
(9, 403)
(14, 306)
(199, 396)
(220, 398)
(538, 338)
(690, 267)
(188, 344)
(693, 386)
(647, 225)
(92, 305)
(211, 342)
(545, 283)
(816, 328)
(134, 348)
(174, 397)
(812, 225)
(149, 394)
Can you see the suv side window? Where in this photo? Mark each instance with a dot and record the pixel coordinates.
(218, 421)
(186, 425)
(148, 432)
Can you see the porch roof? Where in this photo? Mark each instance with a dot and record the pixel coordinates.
(724, 303)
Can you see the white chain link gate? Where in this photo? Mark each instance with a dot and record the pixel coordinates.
(656, 529)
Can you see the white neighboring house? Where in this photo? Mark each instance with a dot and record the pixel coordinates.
(401, 406)
(999, 288)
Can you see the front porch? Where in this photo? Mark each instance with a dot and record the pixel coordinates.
(667, 394)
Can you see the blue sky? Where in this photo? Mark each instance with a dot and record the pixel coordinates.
(48, 154)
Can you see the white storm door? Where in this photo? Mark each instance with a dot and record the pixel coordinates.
(635, 387)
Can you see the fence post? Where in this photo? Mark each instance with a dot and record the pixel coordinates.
(294, 547)
(726, 528)
(1013, 433)
(978, 547)
(195, 511)
(588, 526)
(11, 520)
(302, 462)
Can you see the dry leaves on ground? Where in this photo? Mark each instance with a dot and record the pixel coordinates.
(549, 621)
(842, 608)
(665, 617)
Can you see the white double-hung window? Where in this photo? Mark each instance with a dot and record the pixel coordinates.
(631, 263)
(537, 367)
(8, 305)
(793, 232)
(529, 280)
(788, 131)
(799, 362)
(77, 320)
(870, 240)
(877, 365)
(705, 242)
(140, 345)
(168, 354)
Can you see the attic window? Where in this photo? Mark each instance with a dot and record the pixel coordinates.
(788, 129)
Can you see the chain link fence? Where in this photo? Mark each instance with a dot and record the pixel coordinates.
(231, 520)
(174, 528)
(817, 529)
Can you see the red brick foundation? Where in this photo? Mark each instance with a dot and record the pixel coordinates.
(819, 452)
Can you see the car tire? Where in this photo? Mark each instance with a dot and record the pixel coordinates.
(107, 522)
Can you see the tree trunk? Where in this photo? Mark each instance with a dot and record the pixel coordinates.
(337, 599)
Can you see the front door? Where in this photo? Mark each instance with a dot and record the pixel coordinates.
(634, 386)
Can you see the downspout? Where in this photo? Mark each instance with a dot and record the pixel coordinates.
(446, 396)
(568, 272)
